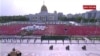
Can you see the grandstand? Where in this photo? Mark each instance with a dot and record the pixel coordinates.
(59, 28)
(54, 29)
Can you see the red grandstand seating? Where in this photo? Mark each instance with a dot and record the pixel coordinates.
(52, 30)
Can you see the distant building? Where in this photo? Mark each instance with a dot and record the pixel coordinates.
(43, 15)
(69, 16)
(98, 15)
(91, 14)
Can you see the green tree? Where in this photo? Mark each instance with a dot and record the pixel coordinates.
(13, 18)
(62, 18)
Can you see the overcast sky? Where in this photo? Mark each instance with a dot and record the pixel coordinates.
(23, 7)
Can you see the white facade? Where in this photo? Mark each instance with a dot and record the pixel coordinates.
(43, 15)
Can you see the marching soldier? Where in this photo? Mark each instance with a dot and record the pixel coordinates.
(13, 52)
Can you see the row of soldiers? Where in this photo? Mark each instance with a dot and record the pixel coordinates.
(15, 52)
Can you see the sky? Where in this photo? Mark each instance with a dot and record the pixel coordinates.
(24, 7)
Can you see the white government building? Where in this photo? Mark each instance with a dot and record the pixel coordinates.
(43, 16)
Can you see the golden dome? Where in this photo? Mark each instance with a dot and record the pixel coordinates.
(44, 9)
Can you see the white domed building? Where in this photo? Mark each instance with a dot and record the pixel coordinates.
(43, 15)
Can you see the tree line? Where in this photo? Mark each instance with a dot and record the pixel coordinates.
(78, 19)
(64, 18)
(13, 18)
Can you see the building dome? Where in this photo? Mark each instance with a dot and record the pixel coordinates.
(44, 9)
